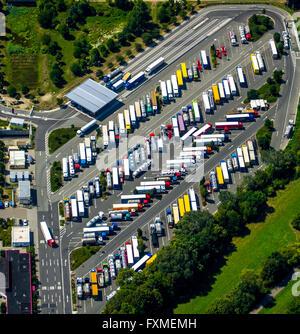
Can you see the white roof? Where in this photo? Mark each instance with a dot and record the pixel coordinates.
(20, 234)
(17, 158)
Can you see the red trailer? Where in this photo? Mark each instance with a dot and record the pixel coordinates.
(228, 125)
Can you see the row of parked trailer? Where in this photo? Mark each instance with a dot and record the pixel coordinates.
(240, 160)
(86, 155)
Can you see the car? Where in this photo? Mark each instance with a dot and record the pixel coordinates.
(208, 186)
(199, 65)
(20, 222)
(6, 204)
(223, 50)
(25, 222)
(218, 53)
(291, 122)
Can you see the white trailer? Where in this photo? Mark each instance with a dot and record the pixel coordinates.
(96, 229)
(196, 111)
(273, 48)
(175, 85)
(241, 76)
(82, 154)
(170, 90)
(115, 177)
(164, 92)
(221, 90)
(251, 151)
(207, 141)
(86, 127)
(226, 88)
(155, 65)
(47, 234)
(193, 200)
(260, 61)
(232, 84)
(186, 163)
(145, 189)
(195, 149)
(246, 155)
(136, 253)
(240, 158)
(207, 106)
(255, 63)
(74, 209)
(132, 115)
(129, 254)
(81, 209)
(65, 168)
(204, 58)
(88, 151)
(122, 128)
(202, 130)
(187, 138)
(126, 168)
(160, 145)
(224, 171)
(105, 135)
(220, 136)
(79, 195)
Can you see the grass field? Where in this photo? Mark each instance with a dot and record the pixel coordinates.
(263, 239)
(59, 137)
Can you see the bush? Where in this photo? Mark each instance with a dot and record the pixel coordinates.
(296, 222)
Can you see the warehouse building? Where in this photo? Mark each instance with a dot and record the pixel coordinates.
(91, 96)
(15, 283)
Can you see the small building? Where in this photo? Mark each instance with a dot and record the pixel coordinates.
(20, 236)
(17, 122)
(12, 176)
(17, 159)
(15, 268)
(24, 192)
(19, 175)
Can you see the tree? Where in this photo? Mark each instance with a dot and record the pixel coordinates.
(111, 44)
(277, 75)
(120, 59)
(65, 31)
(294, 306)
(99, 74)
(103, 51)
(296, 222)
(139, 18)
(147, 38)
(12, 91)
(276, 37)
(138, 47)
(24, 90)
(56, 75)
(273, 90)
(252, 94)
(95, 57)
(45, 39)
(123, 4)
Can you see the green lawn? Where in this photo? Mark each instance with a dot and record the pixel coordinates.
(262, 239)
(59, 137)
(80, 255)
(281, 301)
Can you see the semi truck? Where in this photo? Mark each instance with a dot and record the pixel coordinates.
(202, 130)
(226, 88)
(240, 158)
(221, 91)
(179, 78)
(112, 268)
(156, 64)
(71, 166)
(132, 115)
(65, 168)
(46, 233)
(246, 155)
(251, 151)
(135, 251)
(224, 171)
(213, 181)
(170, 220)
(228, 125)
(216, 94)
(138, 113)
(241, 76)
(254, 63)
(129, 253)
(175, 85)
(148, 103)
(127, 120)
(196, 111)
(105, 135)
(170, 90)
(243, 111)
(203, 57)
(220, 176)
(118, 85)
(260, 61)
(240, 117)
(184, 71)
(81, 132)
(232, 38)
(273, 48)
(164, 92)
(112, 74)
(154, 101)
(135, 80)
(187, 138)
(234, 160)
(232, 85)
(181, 125)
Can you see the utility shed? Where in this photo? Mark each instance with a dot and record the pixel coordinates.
(91, 96)
(17, 159)
(24, 192)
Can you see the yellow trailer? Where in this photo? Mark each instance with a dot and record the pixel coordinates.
(220, 176)
(187, 204)
(94, 289)
(126, 76)
(179, 78)
(181, 207)
(175, 213)
(152, 258)
(184, 71)
(216, 94)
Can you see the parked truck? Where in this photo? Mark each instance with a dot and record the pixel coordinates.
(86, 128)
(156, 64)
(46, 233)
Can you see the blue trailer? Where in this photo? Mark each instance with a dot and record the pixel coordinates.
(116, 79)
(136, 79)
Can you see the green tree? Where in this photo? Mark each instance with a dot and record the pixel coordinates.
(12, 91)
(147, 38)
(296, 222)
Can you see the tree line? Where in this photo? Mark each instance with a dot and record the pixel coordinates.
(201, 240)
